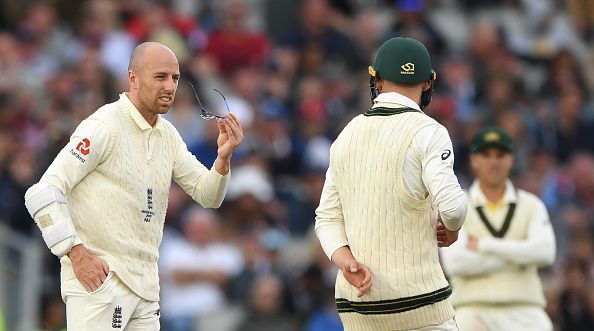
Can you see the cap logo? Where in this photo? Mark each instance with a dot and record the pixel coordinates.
(408, 69)
(491, 137)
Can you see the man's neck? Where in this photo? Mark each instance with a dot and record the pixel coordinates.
(411, 93)
(151, 119)
(493, 193)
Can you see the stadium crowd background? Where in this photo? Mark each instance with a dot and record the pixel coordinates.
(295, 72)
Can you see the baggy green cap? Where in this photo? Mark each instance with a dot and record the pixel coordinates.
(491, 137)
(403, 60)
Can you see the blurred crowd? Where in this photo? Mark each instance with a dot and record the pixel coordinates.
(295, 72)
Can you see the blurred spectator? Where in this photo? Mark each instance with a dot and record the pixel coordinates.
(248, 194)
(53, 314)
(412, 22)
(581, 171)
(18, 177)
(574, 308)
(534, 31)
(100, 30)
(325, 318)
(456, 80)
(156, 21)
(318, 42)
(233, 45)
(195, 269)
(185, 116)
(582, 14)
(564, 72)
(264, 312)
(43, 43)
(262, 258)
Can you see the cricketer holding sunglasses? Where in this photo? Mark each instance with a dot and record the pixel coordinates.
(101, 204)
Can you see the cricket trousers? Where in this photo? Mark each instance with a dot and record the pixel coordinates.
(502, 318)
(113, 306)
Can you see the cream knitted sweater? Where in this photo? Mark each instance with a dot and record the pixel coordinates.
(366, 206)
(116, 173)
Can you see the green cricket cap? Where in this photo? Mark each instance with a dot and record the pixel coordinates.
(403, 60)
(491, 137)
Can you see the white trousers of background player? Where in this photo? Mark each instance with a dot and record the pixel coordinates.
(502, 318)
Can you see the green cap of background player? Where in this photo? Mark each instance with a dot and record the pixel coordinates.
(491, 137)
(403, 60)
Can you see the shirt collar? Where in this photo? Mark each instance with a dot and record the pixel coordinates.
(394, 100)
(478, 197)
(136, 116)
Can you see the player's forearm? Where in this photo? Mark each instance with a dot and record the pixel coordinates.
(213, 189)
(462, 262)
(329, 225)
(539, 251)
(454, 211)
(222, 165)
(331, 234)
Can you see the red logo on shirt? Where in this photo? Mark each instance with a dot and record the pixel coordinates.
(84, 146)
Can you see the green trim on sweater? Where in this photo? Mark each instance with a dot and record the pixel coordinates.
(393, 306)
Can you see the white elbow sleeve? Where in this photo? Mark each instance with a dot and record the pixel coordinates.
(48, 207)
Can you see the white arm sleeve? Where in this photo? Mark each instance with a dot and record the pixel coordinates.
(538, 248)
(460, 261)
(329, 219)
(46, 200)
(48, 207)
(207, 187)
(437, 156)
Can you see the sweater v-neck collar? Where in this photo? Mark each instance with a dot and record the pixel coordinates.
(136, 116)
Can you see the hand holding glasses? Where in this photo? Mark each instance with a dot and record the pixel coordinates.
(205, 113)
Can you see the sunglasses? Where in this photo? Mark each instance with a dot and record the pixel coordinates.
(205, 113)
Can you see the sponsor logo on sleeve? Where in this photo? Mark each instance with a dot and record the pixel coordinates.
(82, 149)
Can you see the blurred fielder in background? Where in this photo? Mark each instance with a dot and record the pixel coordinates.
(101, 204)
(506, 237)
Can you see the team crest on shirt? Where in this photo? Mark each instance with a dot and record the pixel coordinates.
(82, 149)
(148, 212)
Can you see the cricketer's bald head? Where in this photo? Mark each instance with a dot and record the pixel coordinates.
(146, 50)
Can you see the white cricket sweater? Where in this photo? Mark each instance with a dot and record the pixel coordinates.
(504, 270)
(116, 172)
(366, 205)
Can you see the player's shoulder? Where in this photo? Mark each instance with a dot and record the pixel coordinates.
(429, 130)
(432, 124)
(529, 198)
(108, 114)
(349, 127)
(103, 120)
